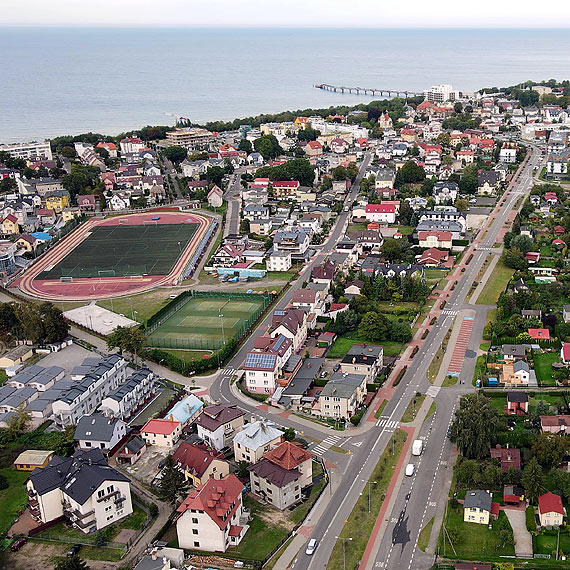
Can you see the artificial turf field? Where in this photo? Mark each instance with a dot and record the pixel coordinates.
(117, 251)
(197, 324)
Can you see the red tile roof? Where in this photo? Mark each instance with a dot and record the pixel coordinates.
(441, 236)
(566, 350)
(288, 455)
(381, 208)
(161, 426)
(550, 503)
(218, 498)
(538, 334)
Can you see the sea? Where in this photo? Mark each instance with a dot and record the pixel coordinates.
(57, 81)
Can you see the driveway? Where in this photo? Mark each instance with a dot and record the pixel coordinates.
(523, 539)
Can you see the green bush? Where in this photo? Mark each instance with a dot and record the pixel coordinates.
(530, 519)
(355, 420)
(398, 378)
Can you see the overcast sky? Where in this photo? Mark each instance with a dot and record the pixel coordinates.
(287, 13)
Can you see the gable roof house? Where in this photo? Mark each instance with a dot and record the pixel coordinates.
(255, 439)
(508, 457)
(291, 323)
(199, 465)
(478, 507)
(82, 488)
(99, 431)
(217, 424)
(551, 511)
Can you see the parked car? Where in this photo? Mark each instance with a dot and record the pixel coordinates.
(336, 367)
(74, 550)
(18, 544)
(311, 546)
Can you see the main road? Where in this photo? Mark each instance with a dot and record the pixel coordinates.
(416, 500)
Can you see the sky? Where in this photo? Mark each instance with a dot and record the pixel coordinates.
(287, 13)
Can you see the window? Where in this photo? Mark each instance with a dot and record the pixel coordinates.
(110, 517)
(194, 520)
(196, 544)
(194, 531)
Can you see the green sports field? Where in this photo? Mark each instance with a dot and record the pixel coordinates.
(198, 325)
(117, 251)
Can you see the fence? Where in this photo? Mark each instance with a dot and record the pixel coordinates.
(195, 259)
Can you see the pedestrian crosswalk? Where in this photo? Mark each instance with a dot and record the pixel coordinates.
(324, 445)
(387, 423)
(228, 372)
(484, 248)
(433, 391)
(449, 312)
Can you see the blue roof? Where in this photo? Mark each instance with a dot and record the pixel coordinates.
(186, 409)
(41, 235)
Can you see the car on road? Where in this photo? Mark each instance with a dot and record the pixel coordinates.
(311, 546)
(74, 550)
(410, 469)
(336, 367)
(18, 544)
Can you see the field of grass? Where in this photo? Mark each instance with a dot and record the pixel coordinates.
(190, 355)
(480, 368)
(425, 533)
(360, 523)
(431, 410)
(543, 367)
(449, 381)
(206, 323)
(13, 498)
(472, 541)
(495, 285)
(545, 542)
(379, 411)
(343, 343)
(145, 304)
(412, 409)
(125, 250)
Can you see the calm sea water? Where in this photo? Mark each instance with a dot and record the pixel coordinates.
(59, 80)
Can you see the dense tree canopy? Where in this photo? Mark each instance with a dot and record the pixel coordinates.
(267, 146)
(297, 169)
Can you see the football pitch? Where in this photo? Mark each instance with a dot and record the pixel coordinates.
(123, 250)
(206, 323)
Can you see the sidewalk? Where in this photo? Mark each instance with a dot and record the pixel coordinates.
(486, 276)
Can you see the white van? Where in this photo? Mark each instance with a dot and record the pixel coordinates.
(410, 469)
(311, 546)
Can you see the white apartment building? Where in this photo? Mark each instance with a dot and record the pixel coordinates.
(279, 261)
(83, 488)
(440, 93)
(27, 151)
(85, 395)
(192, 138)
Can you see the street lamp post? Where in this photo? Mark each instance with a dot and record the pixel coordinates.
(221, 316)
(369, 481)
(343, 549)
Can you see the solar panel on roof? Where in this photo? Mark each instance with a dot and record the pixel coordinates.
(260, 360)
(279, 313)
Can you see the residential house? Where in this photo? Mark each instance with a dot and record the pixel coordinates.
(291, 323)
(215, 197)
(308, 300)
(264, 363)
(313, 149)
(279, 261)
(517, 403)
(551, 511)
(367, 359)
(99, 431)
(186, 410)
(132, 451)
(513, 352)
(433, 257)
(532, 313)
(217, 425)
(487, 183)
(86, 202)
(256, 439)
(281, 474)
(508, 457)
(68, 214)
(445, 192)
(539, 334)
(161, 432)
(565, 352)
(555, 424)
(228, 255)
(211, 518)
(455, 228)
(566, 313)
(10, 225)
(342, 396)
(294, 242)
(57, 200)
(285, 188)
(478, 507)
(323, 273)
(32, 459)
(381, 213)
(435, 239)
(82, 488)
(199, 465)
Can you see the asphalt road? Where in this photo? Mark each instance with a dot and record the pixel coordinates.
(231, 227)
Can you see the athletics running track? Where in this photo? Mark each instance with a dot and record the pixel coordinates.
(87, 289)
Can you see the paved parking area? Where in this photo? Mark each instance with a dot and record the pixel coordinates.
(68, 358)
(146, 468)
(523, 539)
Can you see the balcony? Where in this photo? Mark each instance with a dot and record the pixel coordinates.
(108, 495)
(31, 493)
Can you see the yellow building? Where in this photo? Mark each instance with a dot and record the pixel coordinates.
(477, 507)
(27, 243)
(10, 225)
(70, 214)
(32, 459)
(16, 356)
(57, 200)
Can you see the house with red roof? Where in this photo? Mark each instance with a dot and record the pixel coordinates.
(381, 213)
(559, 230)
(508, 457)
(215, 197)
(313, 149)
(551, 197)
(558, 242)
(87, 202)
(551, 511)
(161, 432)
(533, 257)
(199, 465)
(565, 352)
(339, 146)
(211, 518)
(281, 474)
(539, 334)
(466, 156)
(110, 147)
(336, 308)
(435, 239)
(285, 188)
(10, 225)
(433, 257)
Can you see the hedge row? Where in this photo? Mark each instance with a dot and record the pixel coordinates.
(398, 378)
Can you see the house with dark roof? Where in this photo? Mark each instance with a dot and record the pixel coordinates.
(291, 323)
(366, 359)
(478, 507)
(83, 489)
(218, 424)
(99, 431)
(341, 397)
(131, 451)
(281, 474)
(212, 518)
(199, 465)
(517, 403)
(555, 424)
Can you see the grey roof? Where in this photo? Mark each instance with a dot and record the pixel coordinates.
(440, 225)
(38, 405)
(19, 396)
(302, 381)
(513, 349)
(257, 434)
(129, 385)
(342, 385)
(520, 365)
(96, 427)
(78, 476)
(292, 363)
(135, 445)
(517, 397)
(478, 499)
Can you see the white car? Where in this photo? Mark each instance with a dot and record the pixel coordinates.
(410, 469)
(311, 546)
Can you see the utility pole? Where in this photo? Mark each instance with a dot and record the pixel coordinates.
(343, 549)
(368, 481)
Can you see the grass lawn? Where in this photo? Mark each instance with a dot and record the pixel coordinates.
(435, 365)
(495, 284)
(485, 346)
(543, 367)
(343, 343)
(189, 355)
(545, 251)
(360, 522)
(545, 542)
(550, 399)
(431, 410)
(480, 368)
(435, 273)
(262, 538)
(13, 498)
(473, 541)
(379, 411)
(492, 316)
(277, 555)
(356, 227)
(412, 409)
(406, 230)
(449, 381)
(423, 538)
(145, 304)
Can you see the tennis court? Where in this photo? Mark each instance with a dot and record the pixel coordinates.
(123, 250)
(206, 322)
